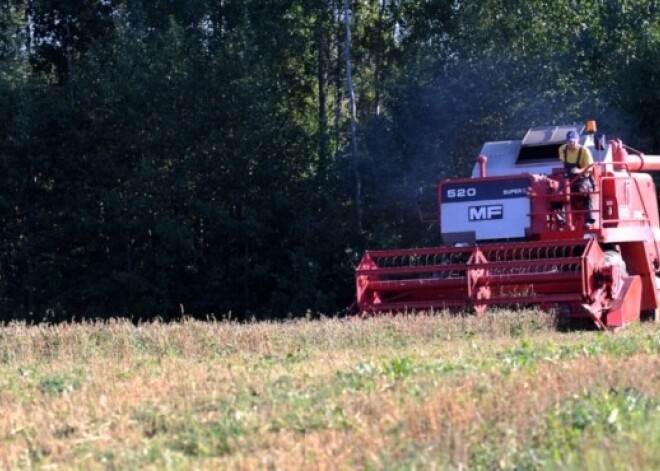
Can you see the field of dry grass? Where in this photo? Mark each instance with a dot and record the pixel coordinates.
(506, 391)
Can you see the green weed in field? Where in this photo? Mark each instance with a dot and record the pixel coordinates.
(596, 411)
(398, 368)
(590, 420)
(212, 438)
(360, 378)
(59, 383)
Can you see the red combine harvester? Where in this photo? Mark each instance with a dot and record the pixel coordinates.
(517, 236)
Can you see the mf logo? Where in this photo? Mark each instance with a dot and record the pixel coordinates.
(485, 213)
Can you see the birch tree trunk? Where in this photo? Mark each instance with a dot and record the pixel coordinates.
(354, 147)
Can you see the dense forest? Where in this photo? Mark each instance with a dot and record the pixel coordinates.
(234, 157)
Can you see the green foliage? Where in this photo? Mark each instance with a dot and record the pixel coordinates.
(399, 367)
(59, 383)
(209, 439)
(162, 159)
(597, 416)
(360, 378)
(607, 411)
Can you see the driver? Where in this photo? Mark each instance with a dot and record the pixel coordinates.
(578, 163)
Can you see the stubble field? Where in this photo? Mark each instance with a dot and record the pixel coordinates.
(507, 391)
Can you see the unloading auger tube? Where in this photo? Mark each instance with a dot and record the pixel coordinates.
(515, 234)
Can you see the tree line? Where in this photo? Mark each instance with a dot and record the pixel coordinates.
(196, 157)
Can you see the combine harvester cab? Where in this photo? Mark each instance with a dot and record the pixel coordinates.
(515, 234)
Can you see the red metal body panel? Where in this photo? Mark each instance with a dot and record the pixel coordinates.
(626, 306)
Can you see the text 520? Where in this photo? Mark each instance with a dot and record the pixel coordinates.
(461, 192)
